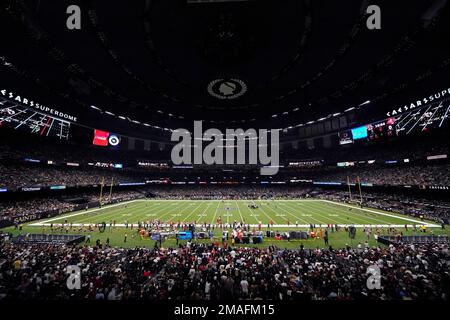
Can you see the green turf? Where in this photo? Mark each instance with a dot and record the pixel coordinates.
(281, 212)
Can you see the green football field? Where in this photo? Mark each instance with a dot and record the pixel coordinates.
(284, 214)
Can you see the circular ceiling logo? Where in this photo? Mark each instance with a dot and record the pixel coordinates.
(227, 89)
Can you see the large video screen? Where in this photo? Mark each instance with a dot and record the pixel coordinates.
(21, 118)
(422, 120)
(345, 137)
(381, 130)
(359, 133)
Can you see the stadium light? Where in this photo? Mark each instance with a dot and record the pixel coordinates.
(364, 103)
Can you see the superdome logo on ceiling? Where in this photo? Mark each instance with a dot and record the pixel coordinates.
(227, 89)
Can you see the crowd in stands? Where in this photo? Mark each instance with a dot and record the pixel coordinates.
(431, 209)
(25, 176)
(16, 176)
(210, 272)
(24, 211)
(431, 175)
(15, 173)
(32, 209)
(228, 192)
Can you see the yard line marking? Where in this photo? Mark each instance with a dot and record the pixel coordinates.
(288, 213)
(384, 214)
(339, 218)
(106, 215)
(196, 208)
(172, 210)
(315, 212)
(112, 214)
(270, 218)
(357, 217)
(215, 213)
(63, 216)
(312, 215)
(240, 213)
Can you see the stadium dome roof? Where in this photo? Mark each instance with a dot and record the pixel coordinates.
(247, 63)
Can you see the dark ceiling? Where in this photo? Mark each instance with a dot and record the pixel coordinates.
(152, 60)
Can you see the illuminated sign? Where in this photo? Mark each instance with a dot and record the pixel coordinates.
(114, 140)
(100, 138)
(153, 164)
(31, 189)
(381, 130)
(57, 187)
(345, 164)
(37, 106)
(345, 137)
(106, 165)
(105, 138)
(420, 103)
(300, 180)
(3, 189)
(439, 187)
(328, 183)
(440, 156)
(359, 133)
(164, 181)
(73, 164)
(312, 163)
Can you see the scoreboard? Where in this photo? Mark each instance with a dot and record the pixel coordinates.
(21, 118)
(381, 130)
(421, 120)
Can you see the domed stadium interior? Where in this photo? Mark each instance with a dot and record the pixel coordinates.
(224, 150)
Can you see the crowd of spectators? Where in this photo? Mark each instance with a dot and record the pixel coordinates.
(430, 175)
(26, 176)
(431, 209)
(16, 176)
(32, 209)
(209, 272)
(228, 192)
(16, 173)
(24, 211)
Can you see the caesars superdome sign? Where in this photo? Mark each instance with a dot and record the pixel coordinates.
(37, 106)
(420, 103)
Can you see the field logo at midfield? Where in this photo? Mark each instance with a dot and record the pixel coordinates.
(234, 139)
